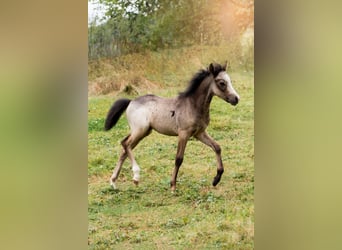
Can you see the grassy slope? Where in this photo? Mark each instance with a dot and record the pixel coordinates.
(166, 69)
(198, 215)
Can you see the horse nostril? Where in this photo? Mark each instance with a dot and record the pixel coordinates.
(236, 100)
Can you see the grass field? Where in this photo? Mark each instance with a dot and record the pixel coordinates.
(197, 215)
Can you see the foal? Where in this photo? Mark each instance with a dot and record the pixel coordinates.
(184, 116)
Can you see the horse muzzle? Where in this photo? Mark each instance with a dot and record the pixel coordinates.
(233, 100)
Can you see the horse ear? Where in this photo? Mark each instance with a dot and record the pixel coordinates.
(225, 65)
(211, 68)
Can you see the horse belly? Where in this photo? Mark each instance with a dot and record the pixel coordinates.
(165, 131)
(164, 123)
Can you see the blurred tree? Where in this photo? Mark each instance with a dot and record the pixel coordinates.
(137, 25)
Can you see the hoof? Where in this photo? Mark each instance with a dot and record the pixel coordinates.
(112, 184)
(136, 182)
(216, 180)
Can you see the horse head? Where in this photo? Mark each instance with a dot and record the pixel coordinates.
(222, 85)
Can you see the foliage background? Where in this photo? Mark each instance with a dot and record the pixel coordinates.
(140, 25)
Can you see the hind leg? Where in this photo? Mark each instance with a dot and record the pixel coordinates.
(132, 142)
(122, 159)
(117, 169)
(128, 144)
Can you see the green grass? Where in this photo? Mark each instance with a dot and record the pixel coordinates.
(197, 215)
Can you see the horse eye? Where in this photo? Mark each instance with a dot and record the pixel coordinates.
(222, 84)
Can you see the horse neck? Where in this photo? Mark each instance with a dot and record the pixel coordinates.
(203, 96)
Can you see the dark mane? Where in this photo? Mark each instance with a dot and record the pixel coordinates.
(196, 80)
(195, 83)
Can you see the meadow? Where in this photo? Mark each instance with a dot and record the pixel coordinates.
(149, 216)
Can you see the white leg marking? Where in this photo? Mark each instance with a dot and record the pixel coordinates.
(112, 183)
(136, 172)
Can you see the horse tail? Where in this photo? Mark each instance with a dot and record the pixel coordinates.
(115, 112)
